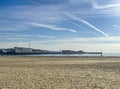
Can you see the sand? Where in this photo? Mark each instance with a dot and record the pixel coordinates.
(59, 73)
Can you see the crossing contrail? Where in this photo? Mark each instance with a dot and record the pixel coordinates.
(86, 23)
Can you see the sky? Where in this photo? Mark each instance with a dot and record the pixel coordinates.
(88, 25)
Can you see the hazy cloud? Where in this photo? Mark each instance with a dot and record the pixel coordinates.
(96, 6)
(44, 36)
(116, 26)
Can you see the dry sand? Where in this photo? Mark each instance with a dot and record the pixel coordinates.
(59, 73)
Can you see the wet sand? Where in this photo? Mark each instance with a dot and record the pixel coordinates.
(59, 72)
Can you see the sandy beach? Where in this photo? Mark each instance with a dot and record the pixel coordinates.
(59, 72)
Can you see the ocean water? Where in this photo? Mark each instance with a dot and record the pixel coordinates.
(111, 54)
(80, 55)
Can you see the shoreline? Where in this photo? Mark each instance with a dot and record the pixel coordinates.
(60, 56)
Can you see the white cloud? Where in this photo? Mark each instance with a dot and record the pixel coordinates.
(108, 6)
(15, 38)
(13, 27)
(99, 40)
(116, 26)
(31, 1)
(53, 27)
(22, 37)
(79, 1)
(86, 23)
(26, 13)
(85, 44)
(44, 36)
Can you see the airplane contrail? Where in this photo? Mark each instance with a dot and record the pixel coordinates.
(86, 23)
(33, 2)
(54, 27)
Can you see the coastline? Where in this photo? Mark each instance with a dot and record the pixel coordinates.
(32, 56)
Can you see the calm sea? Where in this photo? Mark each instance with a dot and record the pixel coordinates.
(104, 54)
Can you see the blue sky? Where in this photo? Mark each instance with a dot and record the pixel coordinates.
(89, 25)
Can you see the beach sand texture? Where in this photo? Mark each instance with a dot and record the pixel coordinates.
(59, 73)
